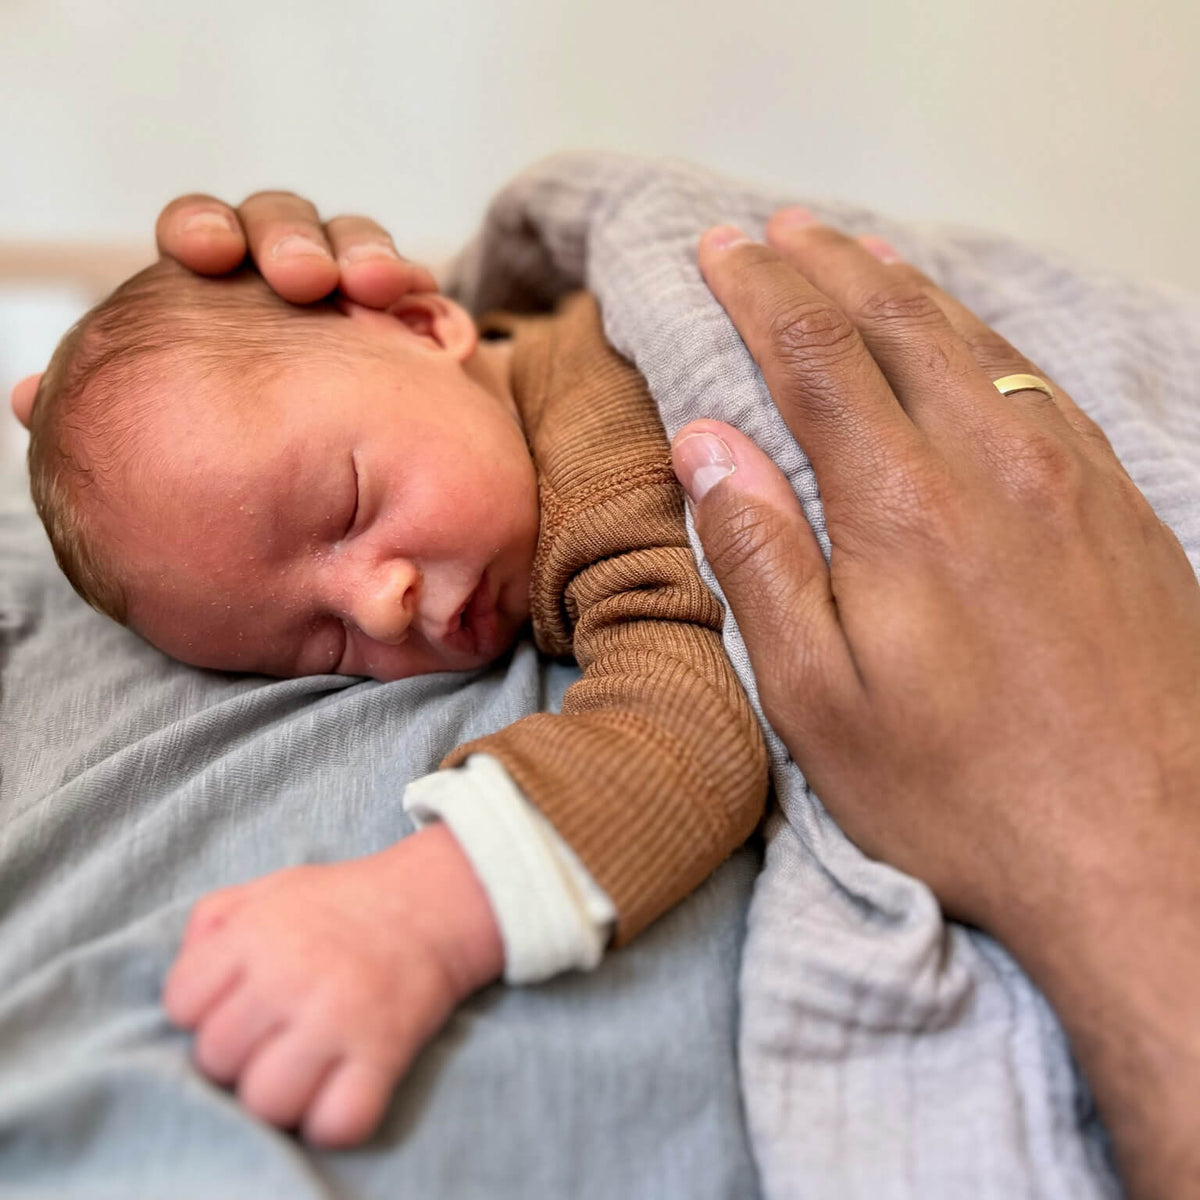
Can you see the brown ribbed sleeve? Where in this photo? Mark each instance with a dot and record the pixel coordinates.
(656, 770)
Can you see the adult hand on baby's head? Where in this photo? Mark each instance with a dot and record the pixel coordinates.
(994, 685)
(300, 256)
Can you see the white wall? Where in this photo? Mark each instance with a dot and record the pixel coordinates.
(1070, 122)
(1074, 123)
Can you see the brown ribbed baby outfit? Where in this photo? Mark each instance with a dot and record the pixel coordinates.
(656, 769)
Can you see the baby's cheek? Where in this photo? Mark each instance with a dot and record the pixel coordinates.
(320, 654)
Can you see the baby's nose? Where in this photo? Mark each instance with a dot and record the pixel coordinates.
(386, 609)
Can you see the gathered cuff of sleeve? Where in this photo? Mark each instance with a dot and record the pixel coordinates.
(552, 915)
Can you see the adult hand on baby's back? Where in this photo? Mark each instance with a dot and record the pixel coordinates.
(300, 256)
(995, 684)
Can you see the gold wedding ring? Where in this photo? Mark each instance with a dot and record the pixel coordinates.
(1023, 383)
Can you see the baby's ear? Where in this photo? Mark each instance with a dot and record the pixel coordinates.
(22, 397)
(431, 315)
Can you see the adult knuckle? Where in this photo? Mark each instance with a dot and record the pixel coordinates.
(742, 539)
(893, 307)
(994, 353)
(937, 359)
(1041, 466)
(809, 330)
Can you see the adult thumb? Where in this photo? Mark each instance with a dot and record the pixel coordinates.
(767, 560)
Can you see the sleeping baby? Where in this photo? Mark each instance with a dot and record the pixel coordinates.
(257, 487)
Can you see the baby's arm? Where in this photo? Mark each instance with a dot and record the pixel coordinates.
(552, 915)
(314, 987)
(655, 770)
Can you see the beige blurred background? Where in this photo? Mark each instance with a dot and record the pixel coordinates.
(1072, 124)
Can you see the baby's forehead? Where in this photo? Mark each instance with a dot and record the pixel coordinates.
(228, 431)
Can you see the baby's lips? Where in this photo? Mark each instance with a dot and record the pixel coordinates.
(490, 634)
(459, 634)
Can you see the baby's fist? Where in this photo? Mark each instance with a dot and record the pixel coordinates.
(313, 988)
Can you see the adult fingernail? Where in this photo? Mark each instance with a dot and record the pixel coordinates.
(296, 245)
(884, 251)
(209, 222)
(724, 236)
(794, 218)
(361, 250)
(701, 460)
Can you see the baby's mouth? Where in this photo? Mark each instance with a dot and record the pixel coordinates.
(475, 627)
(460, 617)
(458, 628)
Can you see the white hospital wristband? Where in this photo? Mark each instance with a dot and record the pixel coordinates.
(552, 914)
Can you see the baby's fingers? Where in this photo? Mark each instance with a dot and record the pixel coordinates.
(198, 979)
(232, 1031)
(349, 1105)
(285, 1072)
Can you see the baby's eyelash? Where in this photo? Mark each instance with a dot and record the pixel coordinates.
(357, 499)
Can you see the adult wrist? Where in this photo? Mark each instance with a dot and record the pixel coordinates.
(1109, 929)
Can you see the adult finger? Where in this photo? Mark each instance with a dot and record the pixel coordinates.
(288, 245)
(941, 360)
(202, 233)
(372, 272)
(929, 366)
(994, 354)
(824, 382)
(769, 565)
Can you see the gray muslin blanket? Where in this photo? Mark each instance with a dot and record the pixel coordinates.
(884, 1053)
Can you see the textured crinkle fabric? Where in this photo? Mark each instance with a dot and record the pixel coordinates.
(884, 1053)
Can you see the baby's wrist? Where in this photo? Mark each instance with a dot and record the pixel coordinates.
(452, 910)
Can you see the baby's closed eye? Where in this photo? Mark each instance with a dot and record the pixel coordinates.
(356, 501)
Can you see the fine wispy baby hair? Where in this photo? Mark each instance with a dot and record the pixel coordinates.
(164, 336)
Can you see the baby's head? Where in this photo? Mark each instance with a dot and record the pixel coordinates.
(258, 487)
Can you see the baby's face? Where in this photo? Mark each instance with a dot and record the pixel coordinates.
(375, 516)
